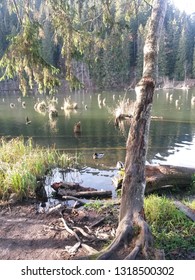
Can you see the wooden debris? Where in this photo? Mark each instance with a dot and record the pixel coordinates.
(89, 249)
(68, 197)
(101, 235)
(185, 209)
(73, 249)
(94, 194)
(89, 230)
(83, 232)
(55, 208)
(162, 176)
(97, 223)
(84, 194)
(70, 186)
(70, 230)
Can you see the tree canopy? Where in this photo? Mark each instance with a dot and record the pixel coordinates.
(89, 42)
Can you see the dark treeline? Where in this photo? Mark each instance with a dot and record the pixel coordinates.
(89, 43)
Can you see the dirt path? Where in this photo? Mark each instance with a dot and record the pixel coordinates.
(26, 235)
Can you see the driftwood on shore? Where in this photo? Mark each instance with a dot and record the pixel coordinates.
(85, 194)
(64, 190)
(161, 176)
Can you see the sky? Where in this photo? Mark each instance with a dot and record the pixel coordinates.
(187, 5)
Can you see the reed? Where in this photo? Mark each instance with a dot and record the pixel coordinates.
(22, 161)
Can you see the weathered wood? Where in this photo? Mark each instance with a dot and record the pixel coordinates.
(94, 194)
(68, 197)
(122, 117)
(73, 249)
(185, 209)
(134, 181)
(89, 249)
(85, 234)
(70, 186)
(85, 194)
(166, 175)
(65, 190)
(97, 223)
(69, 230)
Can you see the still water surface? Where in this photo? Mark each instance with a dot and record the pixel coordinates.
(171, 139)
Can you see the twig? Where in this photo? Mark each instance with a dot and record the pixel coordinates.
(90, 231)
(73, 249)
(69, 229)
(68, 197)
(83, 232)
(55, 208)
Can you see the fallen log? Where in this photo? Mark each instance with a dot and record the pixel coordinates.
(85, 194)
(163, 176)
(96, 223)
(70, 186)
(94, 194)
(159, 176)
(67, 190)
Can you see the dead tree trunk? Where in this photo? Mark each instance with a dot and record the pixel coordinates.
(133, 188)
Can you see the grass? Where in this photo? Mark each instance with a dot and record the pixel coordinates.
(95, 205)
(172, 230)
(100, 205)
(21, 162)
(191, 204)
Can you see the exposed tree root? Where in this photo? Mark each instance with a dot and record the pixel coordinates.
(124, 232)
(144, 240)
(128, 246)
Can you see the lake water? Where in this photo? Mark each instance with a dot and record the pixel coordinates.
(171, 139)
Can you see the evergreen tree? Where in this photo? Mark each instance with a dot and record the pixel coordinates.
(84, 40)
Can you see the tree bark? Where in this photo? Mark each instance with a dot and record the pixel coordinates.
(88, 194)
(134, 182)
(161, 176)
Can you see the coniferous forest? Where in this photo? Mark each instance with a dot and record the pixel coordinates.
(89, 43)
